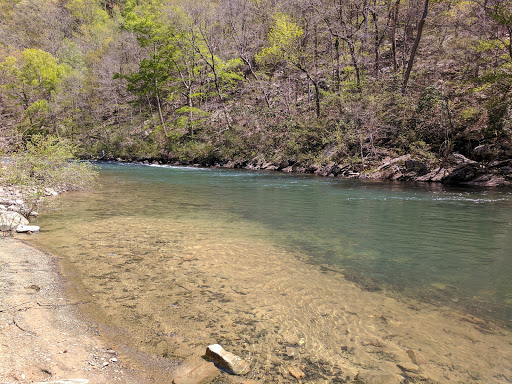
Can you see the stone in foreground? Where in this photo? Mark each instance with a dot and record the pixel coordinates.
(226, 360)
(202, 374)
(27, 228)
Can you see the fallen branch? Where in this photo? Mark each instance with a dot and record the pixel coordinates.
(61, 305)
(14, 306)
(24, 330)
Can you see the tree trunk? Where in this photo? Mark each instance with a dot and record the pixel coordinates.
(317, 90)
(415, 47)
(393, 36)
(352, 49)
(160, 112)
(338, 75)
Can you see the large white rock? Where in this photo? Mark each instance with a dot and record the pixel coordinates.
(224, 359)
(27, 228)
(10, 220)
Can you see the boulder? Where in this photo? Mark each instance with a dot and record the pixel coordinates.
(484, 153)
(10, 220)
(312, 168)
(489, 180)
(506, 170)
(435, 175)
(226, 360)
(461, 159)
(461, 174)
(416, 166)
(326, 170)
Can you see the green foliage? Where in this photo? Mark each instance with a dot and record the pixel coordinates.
(432, 120)
(87, 11)
(238, 80)
(31, 79)
(193, 151)
(283, 41)
(36, 74)
(499, 107)
(421, 150)
(44, 162)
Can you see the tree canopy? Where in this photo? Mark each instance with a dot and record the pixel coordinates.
(209, 81)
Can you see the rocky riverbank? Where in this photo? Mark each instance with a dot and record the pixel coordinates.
(17, 209)
(456, 169)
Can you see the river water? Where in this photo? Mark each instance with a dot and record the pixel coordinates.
(336, 277)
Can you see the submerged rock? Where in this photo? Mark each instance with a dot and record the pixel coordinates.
(202, 374)
(296, 372)
(378, 378)
(226, 360)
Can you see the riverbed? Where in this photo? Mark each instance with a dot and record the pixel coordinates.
(336, 277)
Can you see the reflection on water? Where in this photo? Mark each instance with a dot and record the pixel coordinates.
(179, 258)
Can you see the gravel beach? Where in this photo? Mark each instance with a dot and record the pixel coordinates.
(42, 336)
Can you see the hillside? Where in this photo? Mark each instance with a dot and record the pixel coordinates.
(288, 83)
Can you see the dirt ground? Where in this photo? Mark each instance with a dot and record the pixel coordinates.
(42, 337)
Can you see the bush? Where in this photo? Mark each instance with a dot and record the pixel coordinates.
(45, 162)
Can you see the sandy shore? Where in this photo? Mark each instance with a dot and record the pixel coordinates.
(42, 336)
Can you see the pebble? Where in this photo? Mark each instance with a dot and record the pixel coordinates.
(291, 352)
(416, 357)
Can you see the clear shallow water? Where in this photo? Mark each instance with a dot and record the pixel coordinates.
(411, 238)
(151, 240)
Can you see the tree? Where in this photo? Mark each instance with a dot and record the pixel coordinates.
(30, 80)
(419, 31)
(154, 71)
(284, 46)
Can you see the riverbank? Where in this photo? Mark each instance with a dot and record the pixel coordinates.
(454, 170)
(43, 337)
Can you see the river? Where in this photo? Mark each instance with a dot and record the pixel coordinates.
(338, 277)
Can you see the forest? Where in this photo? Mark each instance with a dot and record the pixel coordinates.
(217, 81)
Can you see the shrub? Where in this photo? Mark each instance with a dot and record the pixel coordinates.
(45, 162)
